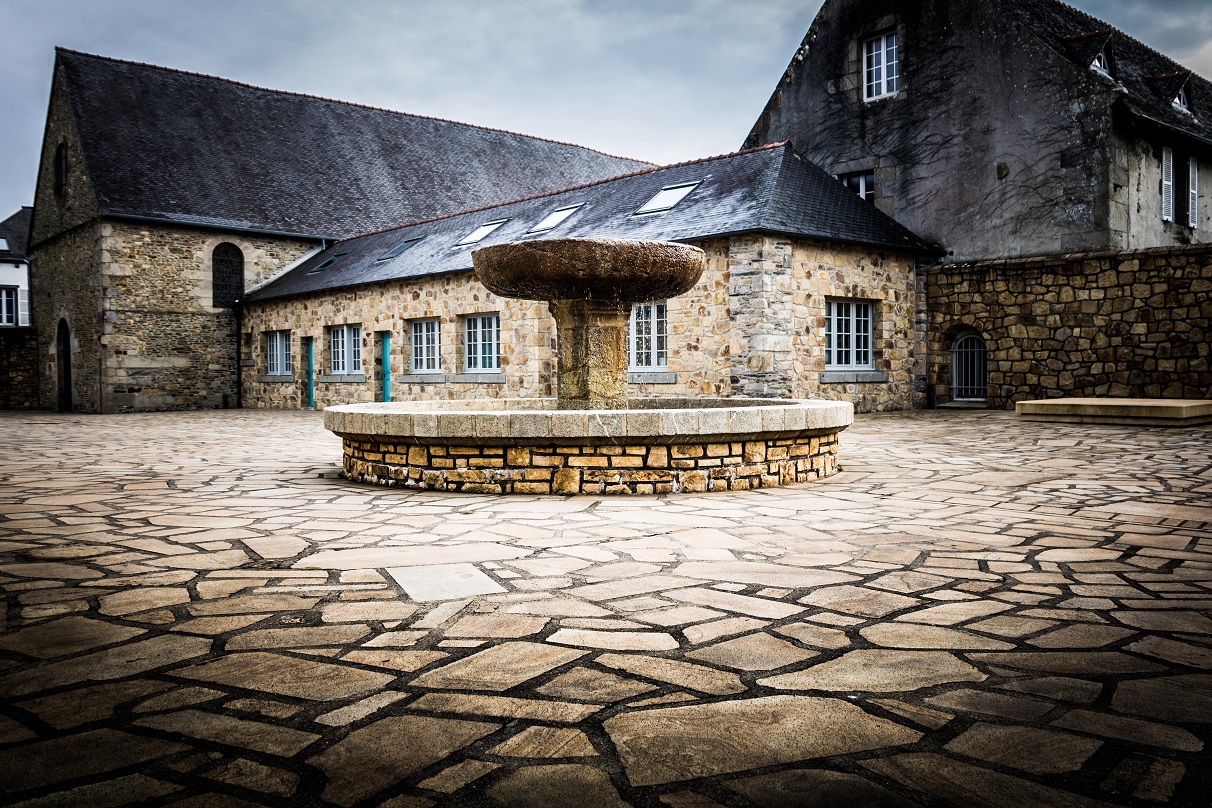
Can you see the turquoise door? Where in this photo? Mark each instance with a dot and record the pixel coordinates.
(384, 366)
(309, 351)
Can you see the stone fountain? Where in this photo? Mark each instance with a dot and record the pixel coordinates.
(590, 439)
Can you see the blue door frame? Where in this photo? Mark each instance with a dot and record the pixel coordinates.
(385, 365)
(309, 350)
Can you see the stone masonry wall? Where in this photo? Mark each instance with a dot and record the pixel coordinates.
(752, 326)
(1133, 324)
(18, 369)
(164, 345)
(777, 296)
(589, 469)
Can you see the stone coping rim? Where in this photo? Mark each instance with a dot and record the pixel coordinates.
(724, 420)
(1175, 408)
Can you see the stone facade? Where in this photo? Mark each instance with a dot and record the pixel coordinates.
(1134, 324)
(753, 325)
(587, 469)
(18, 369)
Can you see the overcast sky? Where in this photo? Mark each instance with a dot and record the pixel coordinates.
(659, 80)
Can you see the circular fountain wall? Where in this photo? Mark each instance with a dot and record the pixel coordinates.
(655, 446)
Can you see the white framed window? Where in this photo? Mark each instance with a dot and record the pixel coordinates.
(1167, 184)
(277, 353)
(861, 182)
(482, 343)
(555, 218)
(881, 66)
(648, 337)
(1101, 63)
(480, 233)
(1180, 102)
(426, 346)
(847, 334)
(345, 349)
(8, 305)
(1192, 192)
(666, 198)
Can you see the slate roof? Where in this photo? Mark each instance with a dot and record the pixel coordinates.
(1150, 80)
(769, 189)
(200, 150)
(15, 231)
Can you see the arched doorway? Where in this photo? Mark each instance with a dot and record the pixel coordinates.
(63, 356)
(969, 381)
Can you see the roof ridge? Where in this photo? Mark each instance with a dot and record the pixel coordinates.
(194, 74)
(502, 204)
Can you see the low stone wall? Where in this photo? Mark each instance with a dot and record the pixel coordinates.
(652, 469)
(1132, 324)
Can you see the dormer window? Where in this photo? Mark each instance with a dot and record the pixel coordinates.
(881, 66)
(667, 198)
(1101, 63)
(1180, 100)
(480, 233)
(553, 219)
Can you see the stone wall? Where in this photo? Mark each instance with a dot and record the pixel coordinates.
(753, 325)
(165, 346)
(1097, 324)
(18, 369)
(589, 469)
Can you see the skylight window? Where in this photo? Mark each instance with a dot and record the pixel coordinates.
(553, 219)
(327, 263)
(481, 232)
(667, 198)
(396, 250)
(4, 243)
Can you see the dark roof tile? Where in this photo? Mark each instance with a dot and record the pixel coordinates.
(15, 232)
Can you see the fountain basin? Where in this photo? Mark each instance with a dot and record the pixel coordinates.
(530, 446)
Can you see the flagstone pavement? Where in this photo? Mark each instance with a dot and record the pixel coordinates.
(976, 612)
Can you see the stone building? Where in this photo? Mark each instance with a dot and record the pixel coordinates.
(163, 195)
(18, 389)
(1014, 129)
(808, 292)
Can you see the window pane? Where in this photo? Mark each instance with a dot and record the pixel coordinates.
(354, 338)
(666, 198)
(891, 64)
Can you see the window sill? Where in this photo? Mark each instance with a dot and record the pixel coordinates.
(853, 376)
(651, 377)
(478, 378)
(276, 379)
(421, 378)
(342, 378)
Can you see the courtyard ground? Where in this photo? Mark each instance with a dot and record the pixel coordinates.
(978, 611)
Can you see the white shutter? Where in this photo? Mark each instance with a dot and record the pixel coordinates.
(1167, 192)
(1193, 192)
(23, 306)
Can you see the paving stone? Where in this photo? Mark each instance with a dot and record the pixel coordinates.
(878, 671)
(730, 602)
(115, 663)
(917, 713)
(804, 787)
(120, 791)
(370, 759)
(752, 652)
(176, 698)
(706, 632)
(395, 639)
(731, 736)
(360, 709)
(818, 636)
(255, 735)
(1083, 636)
(1180, 653)
(1040, 751)
(900, 635)
(859, 600)
(49, 571)
(1069, 555)
(1057, 687)
(586, 684)
(138, 600)
(950, 614)
(68, 635)
(908, 582)
(249, 774)
(615, 640)
(431, 582)
(543, 786)
(1184, 699)
(276, 546)
(498, 625)
(249, 604)
(681, 674)
(677, 615)
(499, 667)
(407, 661)
(86, 704)
(976, 701)
(302, 637)
(504, 707)
(611, 590)
(286, 676)
(271, 709)
(546, 742)
(751, 572)
(1145, 777)
(418, 556)
(964, 784)
(1010, 625)
(1133, 730)
(558, 607)
(1185, 622)
(85, 754)
(366, 611)
(455, 777)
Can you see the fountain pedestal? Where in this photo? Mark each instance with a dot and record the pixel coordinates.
(591, 353)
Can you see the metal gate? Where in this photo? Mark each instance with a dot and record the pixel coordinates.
(968, 369)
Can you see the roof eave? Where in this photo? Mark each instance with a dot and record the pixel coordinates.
(132, 217)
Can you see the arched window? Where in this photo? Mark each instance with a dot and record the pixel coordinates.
(968, 379)
(61, 171)
(227, 275)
